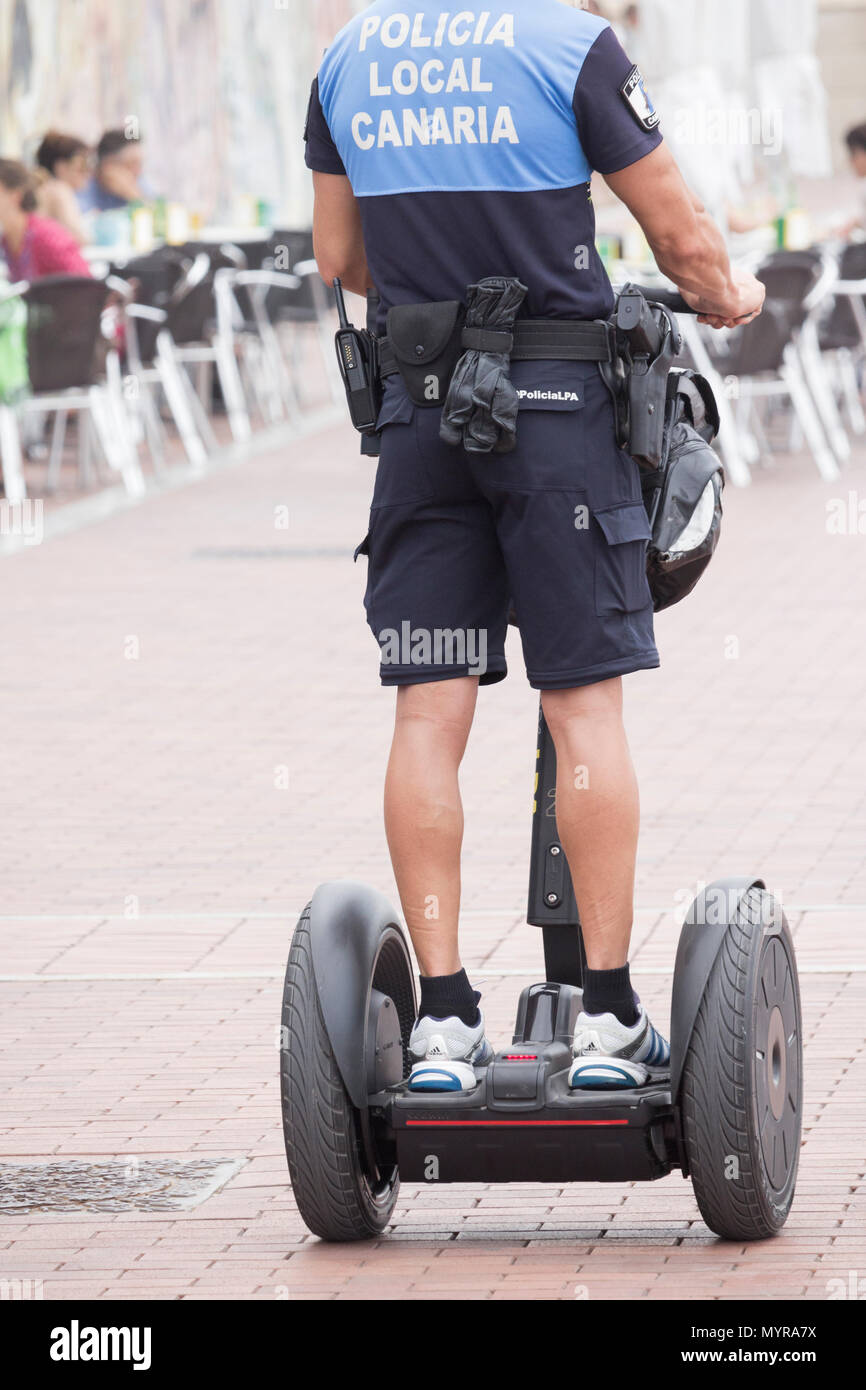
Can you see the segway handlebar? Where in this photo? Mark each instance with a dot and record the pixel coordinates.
(671, 299)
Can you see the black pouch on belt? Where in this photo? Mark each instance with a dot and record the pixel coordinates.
(426, 344)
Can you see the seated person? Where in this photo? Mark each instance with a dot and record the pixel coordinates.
(63, 170)
(116, 181)
(856, 142)
(32, 246)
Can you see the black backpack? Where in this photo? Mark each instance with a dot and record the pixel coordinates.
(683, 497)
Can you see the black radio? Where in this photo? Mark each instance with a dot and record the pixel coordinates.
(357, 354)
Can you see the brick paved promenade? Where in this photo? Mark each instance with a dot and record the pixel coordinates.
(195, 736)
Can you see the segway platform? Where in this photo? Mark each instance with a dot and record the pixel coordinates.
(522, 1123)
(572, 1136)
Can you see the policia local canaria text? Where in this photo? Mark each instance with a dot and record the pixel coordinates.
(430, 75)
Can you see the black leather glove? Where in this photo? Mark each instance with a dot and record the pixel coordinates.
(480, 411)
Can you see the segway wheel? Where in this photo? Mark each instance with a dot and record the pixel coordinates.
(339, 1196)
(742, 1078)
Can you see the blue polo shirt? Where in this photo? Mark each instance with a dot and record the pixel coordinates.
(95, 198)
(469, 138)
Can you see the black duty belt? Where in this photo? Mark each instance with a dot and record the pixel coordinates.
(533, 340)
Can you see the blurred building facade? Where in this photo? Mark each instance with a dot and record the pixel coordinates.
(218, 88)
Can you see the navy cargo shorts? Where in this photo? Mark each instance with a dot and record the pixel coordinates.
(556, 528)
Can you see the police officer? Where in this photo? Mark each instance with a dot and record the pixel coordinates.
(450, 145)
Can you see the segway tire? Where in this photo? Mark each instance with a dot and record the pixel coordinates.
(335, 1196)
(742, 1079)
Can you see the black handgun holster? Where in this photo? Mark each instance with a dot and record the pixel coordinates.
(646, 343)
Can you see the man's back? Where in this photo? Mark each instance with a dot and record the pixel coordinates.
(469, 138)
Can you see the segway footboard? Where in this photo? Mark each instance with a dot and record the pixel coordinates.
(566, 1138)
(522, 1123)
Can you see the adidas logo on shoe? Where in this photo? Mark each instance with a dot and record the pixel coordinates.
(435, 1067)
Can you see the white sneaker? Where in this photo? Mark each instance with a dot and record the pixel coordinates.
(608, 1055)
(447, 1051)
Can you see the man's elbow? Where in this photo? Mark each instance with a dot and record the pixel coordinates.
(333, 259)
(331, 267)
(351, 271)
(352, 274)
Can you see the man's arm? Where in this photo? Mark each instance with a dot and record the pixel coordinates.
(338, 241)
(687, 244)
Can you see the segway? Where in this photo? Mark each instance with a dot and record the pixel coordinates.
(727, 1113)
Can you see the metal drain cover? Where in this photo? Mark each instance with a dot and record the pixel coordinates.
(112, 1184)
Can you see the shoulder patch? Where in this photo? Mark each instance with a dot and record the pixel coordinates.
(638, 100)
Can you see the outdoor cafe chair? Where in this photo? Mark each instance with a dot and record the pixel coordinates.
(155, 274)
(775, 356)
(248, 253)
(72, 367)
(164, 341)
(246, 335)
(842, 331)
(812, 274)
(310, 303)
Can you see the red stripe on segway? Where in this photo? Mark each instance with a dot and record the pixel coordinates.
(504, 1124)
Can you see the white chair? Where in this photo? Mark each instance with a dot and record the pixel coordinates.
(814, 360)
(245, 335)
(775, 357)
(160, 343)
(325, 322)
(842, 332)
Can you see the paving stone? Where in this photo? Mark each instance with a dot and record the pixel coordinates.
(148, 834)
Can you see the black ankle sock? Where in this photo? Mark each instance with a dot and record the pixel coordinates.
(610, 992)
(447, 996)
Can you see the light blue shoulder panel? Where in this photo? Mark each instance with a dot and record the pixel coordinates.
(420, 98)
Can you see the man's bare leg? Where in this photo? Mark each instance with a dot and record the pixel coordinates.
(424, 825)
(424, 814)
(597, 813)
